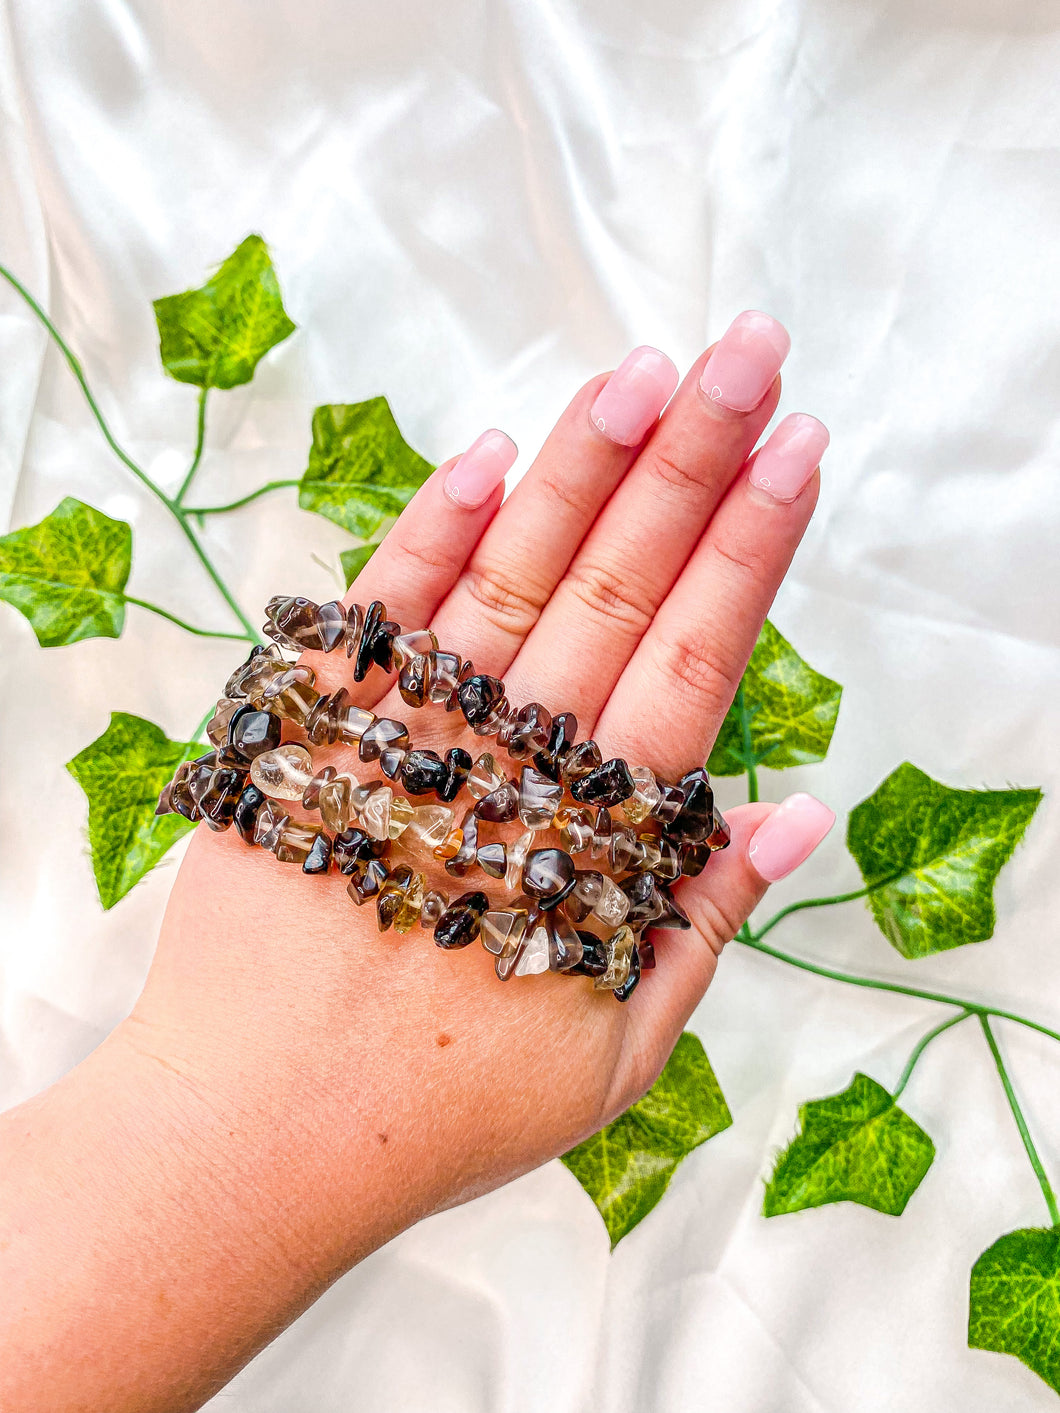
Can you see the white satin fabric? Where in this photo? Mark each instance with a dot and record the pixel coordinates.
(473, 208)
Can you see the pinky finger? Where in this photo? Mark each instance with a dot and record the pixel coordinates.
(421, 557)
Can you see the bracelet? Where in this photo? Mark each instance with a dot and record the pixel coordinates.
(643, 833)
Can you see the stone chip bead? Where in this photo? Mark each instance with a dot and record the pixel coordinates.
(695, 820)
(283, 773)
(459, 924)
(646, 795)
(467, 852)
(362, 652)
(484, 777)
(295, 842)
(400, 900)
(217, 726)
(619, 952)
(292, 694)
(609, 784)
(423, 773)
(576, 833)
(366, 880)
(217, 803)
(500, 807)
(311, 793)
(478, 697)
(336, 801)
(429, 827)
(353, 848)
(443, 675)
(560, 740)
(565, 947)
(269, 825)
(528, 732)
(534, 954)
(517, 858)
(493, 859)
(245, 815)
(383, 734)
(549, 876)
(539, 798)
(458, 765)
(252, 732)
(318, 860)
(434, 905)
(625, 991)
(415, 644)
(581, 760)
(373, 809)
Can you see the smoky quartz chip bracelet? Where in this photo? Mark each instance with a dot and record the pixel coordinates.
(634, 834)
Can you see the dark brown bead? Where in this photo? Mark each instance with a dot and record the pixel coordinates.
(478, 697)
(165, 799)
(366, 880)
(383, 734)
(625, 991)
(670, 803)
(318, 860)
(392, 899)
(696, 817)
(391, 760)
(459, 925)
(560, 740)
(412, 681)
(493, 859)
(354, 847)
(669, 866)
(693, 859)
(181, 800)
(354, 627)
(382, 648)
(234, 686)
(609, 784)
(311, 793)
(565, 947)
(580, 761)
(245, 815)
(423, 772)
(198, 774)
(318, 722)
(292, 623)
(594, 956)
(528, 732)
(331, 625)
(362, 660)
(539, 798)
(458, 763)
(549, 875)
(644, 904)
(501, 805)
(720, 835)
(217, 803)
(646, 954)
(252, 732)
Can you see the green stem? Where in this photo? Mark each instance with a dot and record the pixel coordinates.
(870, 983)
(243, 500)
(79, 373)
(1021, 1124)
(815, 903)
(200, 442)
(172, 505)
(923, 1043)
(749, 758)
(188, 628)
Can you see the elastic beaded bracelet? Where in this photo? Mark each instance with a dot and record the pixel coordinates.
(564, 919)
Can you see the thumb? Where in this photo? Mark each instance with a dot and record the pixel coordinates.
(768, 842)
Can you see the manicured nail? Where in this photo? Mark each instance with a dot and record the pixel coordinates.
(629, 403)
(740, 371)
(790, 456)
(481, 469)
(789, 836)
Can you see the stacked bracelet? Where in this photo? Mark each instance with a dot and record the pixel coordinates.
(641, 833)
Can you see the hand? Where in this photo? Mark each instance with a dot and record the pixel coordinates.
(336, 1084)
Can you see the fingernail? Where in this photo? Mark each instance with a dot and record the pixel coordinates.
(481, 469)
(629, 403)
(789, 836)
(740, 371)
(790, 456)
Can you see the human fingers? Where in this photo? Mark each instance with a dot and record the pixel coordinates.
(525, 552)
(642, 538)
(768, 842)
(669, 703)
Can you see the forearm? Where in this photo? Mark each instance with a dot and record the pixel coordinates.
(153, 1237)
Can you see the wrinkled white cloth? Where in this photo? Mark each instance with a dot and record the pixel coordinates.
(473, 208)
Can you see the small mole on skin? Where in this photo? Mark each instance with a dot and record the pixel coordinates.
(443, 1039)
(382, 1137)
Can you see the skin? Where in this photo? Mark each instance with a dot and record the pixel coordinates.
(293, 1089)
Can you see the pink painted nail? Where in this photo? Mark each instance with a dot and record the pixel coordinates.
(629, 403)
(740, 371)
(481, 469)
(790, 456)
(789, 836)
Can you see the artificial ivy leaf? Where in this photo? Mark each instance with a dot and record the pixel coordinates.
(857, 1146)
(214, 337)
(790, 711)
(122, 772)
(361, 470)
(931, 856)
(354, 560)
(67, 573)
(1014, 1300)
(627, 1166)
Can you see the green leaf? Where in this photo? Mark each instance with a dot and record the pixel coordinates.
(1014, 1300)
(214, 337)
(354, 560)
(783, 716)
(67, 573)
(627, 1166)
(931, 856)
(857, 1146)
(361, 470)
(122, 772)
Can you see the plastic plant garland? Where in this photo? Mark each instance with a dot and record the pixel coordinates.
(928, 854)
